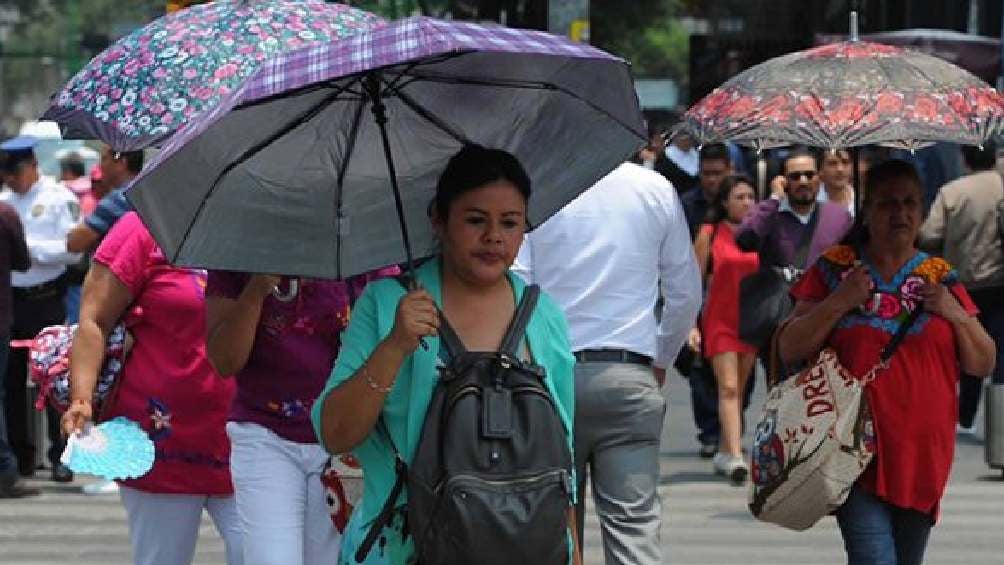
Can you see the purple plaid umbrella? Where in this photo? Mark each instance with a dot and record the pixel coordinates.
(140, 90)
(307, 168)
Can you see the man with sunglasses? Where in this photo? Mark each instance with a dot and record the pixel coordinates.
(789, 230)
(793, 218)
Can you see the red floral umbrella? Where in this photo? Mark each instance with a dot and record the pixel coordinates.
(848, 94)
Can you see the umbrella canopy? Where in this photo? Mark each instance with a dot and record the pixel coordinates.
(138, 91)
(290, 173)
(848, 94)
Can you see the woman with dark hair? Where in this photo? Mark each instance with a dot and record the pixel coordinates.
(854, 300)
(724, 265)
(382, 375)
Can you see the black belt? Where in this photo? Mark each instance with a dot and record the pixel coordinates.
(611, 356)
(48, 289)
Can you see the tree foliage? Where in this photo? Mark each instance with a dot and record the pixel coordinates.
(60, 27)
(645, 32)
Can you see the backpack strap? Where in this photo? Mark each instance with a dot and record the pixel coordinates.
(517, 327)
(387, 511)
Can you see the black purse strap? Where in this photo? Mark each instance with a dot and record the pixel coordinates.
(802, 252)
(387, 511)
(776, 366)
(890, 348)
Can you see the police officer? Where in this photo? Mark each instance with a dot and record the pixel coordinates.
(48, 211)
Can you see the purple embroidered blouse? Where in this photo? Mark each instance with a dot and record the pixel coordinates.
(294, 350)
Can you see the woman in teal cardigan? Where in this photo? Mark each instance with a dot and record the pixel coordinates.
(479, 216)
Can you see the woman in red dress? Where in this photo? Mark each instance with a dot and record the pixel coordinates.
(724, 265)
(854, 299)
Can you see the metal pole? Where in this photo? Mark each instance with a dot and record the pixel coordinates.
(855, 156)
(1000, 78)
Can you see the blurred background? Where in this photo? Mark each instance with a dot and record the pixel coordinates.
(680, 49)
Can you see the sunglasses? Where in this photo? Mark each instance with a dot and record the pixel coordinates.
(796, 176)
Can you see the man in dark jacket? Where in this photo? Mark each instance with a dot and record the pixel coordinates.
(13, 257)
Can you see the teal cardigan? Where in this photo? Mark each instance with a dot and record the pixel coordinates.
(405, 407)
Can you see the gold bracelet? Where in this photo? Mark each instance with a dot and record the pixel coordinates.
(373, 384)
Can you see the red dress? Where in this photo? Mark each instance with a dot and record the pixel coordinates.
(720, 318)
(914, 402)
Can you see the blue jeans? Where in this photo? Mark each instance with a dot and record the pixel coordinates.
(8, 463)
(704, 401)
(877, 533)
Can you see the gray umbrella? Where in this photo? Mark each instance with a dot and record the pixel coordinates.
(320, 161)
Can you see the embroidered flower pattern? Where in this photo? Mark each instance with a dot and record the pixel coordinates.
(842, 255)
(196, 56)
(289, 408)
(891, 303)
(934, 270)
(160, 419)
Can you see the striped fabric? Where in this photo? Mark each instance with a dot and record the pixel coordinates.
(405, 41)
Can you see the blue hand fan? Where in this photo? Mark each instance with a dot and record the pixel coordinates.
(116, 449)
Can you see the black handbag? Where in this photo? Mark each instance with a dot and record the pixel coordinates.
(764, 299)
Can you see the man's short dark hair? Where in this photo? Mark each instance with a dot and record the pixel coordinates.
(11, 161)
(800, 151)
(134, 161)
(980, 158)
(72, 164)
(714, 151)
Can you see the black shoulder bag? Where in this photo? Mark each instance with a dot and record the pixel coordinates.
(764, 301)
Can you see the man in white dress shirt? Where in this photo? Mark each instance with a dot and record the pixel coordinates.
(835, 179)
(47, 210)
(602, 258)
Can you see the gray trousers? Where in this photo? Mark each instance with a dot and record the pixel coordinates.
(618, 425)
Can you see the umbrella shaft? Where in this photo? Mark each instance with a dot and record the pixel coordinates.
(380, 114)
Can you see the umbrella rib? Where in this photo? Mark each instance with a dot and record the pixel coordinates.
(473, 81)
(342, 171)
(432, 119)
(254, 150)
(299, 92)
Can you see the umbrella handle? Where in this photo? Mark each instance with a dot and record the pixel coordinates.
(372, 88)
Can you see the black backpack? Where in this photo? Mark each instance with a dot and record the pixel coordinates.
(491, 477)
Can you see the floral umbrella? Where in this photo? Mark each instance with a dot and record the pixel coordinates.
(849, 94)
(323, 163)
(136, 93)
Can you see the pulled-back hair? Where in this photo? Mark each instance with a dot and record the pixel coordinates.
(474, 166)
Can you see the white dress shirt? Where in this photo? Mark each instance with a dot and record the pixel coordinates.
(824, 196)
(48, 211)
(689, 161)
(602, 256)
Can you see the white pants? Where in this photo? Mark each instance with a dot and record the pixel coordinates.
(163, 528)
(280, 499)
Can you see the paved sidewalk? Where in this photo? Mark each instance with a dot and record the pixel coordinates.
(706, 521)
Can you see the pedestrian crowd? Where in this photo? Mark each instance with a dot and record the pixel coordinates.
(291, 408)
